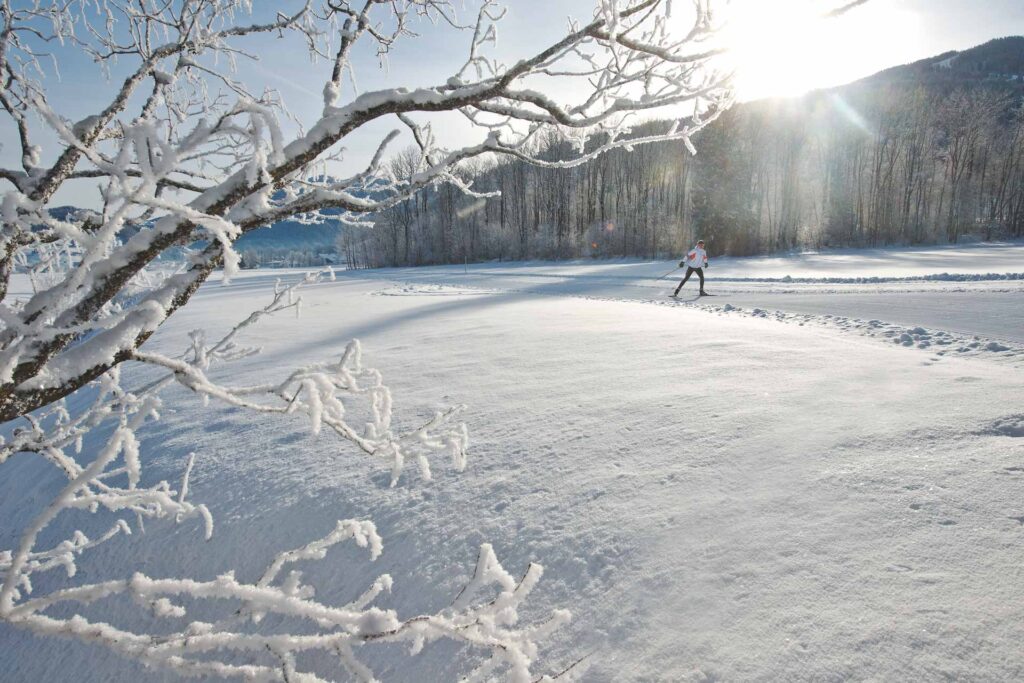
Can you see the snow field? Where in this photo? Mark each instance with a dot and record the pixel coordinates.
(888, 293)
(715, 496)
(993, 258)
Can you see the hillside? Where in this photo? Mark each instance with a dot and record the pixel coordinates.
(925, 153)
(292, 235)
(997, 62)
(754, 186)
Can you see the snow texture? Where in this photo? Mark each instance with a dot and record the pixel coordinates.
(717, 494)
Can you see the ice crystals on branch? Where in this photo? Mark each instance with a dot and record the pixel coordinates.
(317, 391)
(184, 153)
(204, 158)
(112, 482)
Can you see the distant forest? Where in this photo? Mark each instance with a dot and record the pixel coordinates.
(868, 165)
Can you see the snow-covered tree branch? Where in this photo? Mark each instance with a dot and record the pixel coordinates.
(200, 131)
(111, 481)
(186, 156)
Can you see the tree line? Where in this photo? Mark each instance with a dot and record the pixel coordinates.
(866, 165)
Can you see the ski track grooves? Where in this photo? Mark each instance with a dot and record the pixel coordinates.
(938, 342)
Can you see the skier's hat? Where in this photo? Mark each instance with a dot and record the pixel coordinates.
(700, 241)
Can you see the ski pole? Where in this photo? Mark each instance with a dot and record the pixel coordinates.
(669, 273)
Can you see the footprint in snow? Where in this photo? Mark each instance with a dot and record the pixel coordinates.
(1011, 425)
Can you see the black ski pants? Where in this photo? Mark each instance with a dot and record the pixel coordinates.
(690, 270)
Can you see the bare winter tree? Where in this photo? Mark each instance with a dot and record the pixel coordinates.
(185, 153)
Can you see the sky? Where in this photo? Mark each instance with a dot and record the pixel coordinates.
(777, 48)
(784, 49)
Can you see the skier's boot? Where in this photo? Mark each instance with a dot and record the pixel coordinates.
(703, 293)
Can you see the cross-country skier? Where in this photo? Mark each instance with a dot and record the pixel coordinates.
(696, 261)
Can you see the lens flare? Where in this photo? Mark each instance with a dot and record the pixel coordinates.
(779, 48)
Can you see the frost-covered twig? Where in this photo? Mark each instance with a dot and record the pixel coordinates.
(316, 391)
(112, 482)
(488, 629)
(76, 327)
(186, 156)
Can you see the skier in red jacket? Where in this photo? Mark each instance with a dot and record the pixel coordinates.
(696, 261)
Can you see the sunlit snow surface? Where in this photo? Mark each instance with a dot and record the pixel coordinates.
(770, 484)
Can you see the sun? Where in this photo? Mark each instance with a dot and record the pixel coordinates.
(779, 48)
(769, 47)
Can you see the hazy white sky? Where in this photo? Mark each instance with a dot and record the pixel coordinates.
(781, 47)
